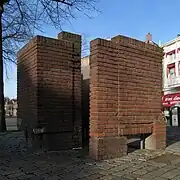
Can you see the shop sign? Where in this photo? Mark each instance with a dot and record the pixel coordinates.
(169, 100)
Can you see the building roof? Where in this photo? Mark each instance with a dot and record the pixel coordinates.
(171, 41)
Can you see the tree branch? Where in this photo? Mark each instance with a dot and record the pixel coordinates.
(64, 2)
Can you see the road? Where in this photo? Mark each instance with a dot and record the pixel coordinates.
(11, 123)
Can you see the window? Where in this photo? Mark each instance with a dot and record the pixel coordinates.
(171, 72)
(171, 54)
(172, 57)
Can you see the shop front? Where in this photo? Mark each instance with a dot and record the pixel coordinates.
(171, 108)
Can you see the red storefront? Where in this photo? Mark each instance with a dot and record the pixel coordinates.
(172, 113)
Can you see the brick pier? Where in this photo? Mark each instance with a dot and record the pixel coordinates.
(125, 95)
(49, 89)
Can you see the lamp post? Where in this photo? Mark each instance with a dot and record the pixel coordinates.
(2, 109)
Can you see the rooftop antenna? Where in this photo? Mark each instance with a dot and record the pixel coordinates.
(159, 43)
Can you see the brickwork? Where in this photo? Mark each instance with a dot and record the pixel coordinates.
(52, 83)
(125, 94)
(27, 84)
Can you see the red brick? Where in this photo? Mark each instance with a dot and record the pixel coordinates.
(125, 74)
(45, 89)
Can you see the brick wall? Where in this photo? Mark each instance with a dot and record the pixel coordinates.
(27, 84)
(53, 85)
(125, 94)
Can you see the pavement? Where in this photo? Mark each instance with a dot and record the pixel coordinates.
(11, 123)
(18, 163)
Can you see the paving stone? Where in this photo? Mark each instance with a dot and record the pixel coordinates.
(72, 177)
(65, 165)
(161, 171)
(4, 178)
(120, 168)
(129, 170)
(145, 177)
(16, 175)
(176, 162)
(160, 178)
(29, 177)
(10, 171)
(140, 172)
(111, 177)
(36, 178)
(107, 177)
(150, 168)
(127, 178)
(105, 166)
(56, 178)
(171, 174)
(82, 174)
(176, 178)
(105, 172)
(157, 164)
(94, 176)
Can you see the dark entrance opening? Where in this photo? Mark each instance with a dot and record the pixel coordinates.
(85, 112)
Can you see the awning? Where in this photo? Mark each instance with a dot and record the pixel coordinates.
(172, 65)
(171, 52)
(169, 100)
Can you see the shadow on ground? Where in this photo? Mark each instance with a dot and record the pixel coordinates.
(16, 162)
(172, 135)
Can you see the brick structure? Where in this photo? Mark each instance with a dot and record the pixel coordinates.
(125, 95)
(49, 89)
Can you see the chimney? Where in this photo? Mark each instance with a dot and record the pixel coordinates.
(149, 38)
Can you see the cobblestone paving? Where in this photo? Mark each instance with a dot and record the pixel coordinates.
(16, 163)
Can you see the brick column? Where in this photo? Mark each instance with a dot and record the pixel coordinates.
(49, 89)
(104, 139)
(125, 95)
(27, 85)
(75, 65)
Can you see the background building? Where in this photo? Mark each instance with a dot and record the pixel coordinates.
(10, 107)
(171, 80)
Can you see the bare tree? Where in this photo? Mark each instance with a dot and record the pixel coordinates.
(22, 18)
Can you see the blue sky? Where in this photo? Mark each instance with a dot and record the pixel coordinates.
(134, 18)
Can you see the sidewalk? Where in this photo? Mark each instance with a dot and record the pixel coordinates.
(17, 164)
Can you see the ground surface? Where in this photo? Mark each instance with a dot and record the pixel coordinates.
(16, 163)
(11, 123)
